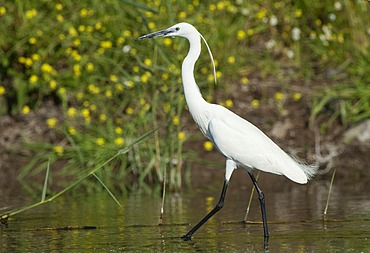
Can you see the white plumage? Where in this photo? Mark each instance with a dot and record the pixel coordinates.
(242, 143)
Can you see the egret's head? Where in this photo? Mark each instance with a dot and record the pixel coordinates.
(179, 30)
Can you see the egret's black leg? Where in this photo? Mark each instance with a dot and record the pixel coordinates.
(261, 197)
(217, 208)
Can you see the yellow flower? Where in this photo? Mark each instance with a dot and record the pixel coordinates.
(145, 77)
(136, 69)
(208, 146)
(130, 110)
(148, 62)
(100, 141)
(53, 84)
(35, 57)
(120, 41)
(218, 74)
(28, 62)
(298, 13)
(26, 109)
(77, 42)
(241, 35)
(60, 18)
(231, 60)
(147, 107)
(80, 96)
(89, 29)
(182, 15)
(98, 25)
(166, 107)
(72, 31)
(229, 103)
(77, 70)
(212, 7)
(113, 78)
(86, 113)
(181, 135)
(118, 130)
(340, 38)
(33, 79)
(76, 56)
(164, 88)
(62, 91)
(58, 6)
(255, 103)
(167, 41)
(176, 120)
(81, 28)
(102, 117)
(165, 76)
(83, 12)
(93, 89)
(72, 131)
(59, 150)
(108, 93)
(127, 33)
(46, 68)
(151, 25)
(71, 112)
(262, 13)
(89, 66)
(32, 40)
(210, 200)
(61, 37)
(119, 141)
(2, 10)
(2, 90)
(220, 5)
(297, 96)
(245, 80)
(279, 96)
(51, 122)
(119, 87)
(22, 60)
(30, 14)
(106, 44)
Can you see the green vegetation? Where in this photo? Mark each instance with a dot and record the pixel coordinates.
(108, 88)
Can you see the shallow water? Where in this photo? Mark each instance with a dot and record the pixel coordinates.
(294, 213)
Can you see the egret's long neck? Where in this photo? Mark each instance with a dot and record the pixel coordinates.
(193, 96)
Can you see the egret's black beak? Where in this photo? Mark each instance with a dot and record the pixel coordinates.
(155, 34)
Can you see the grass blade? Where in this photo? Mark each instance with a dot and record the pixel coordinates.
(329, 193)
(44, 188)
(250, 200)
(107, 189)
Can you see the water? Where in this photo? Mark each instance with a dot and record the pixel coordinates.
(294, 213)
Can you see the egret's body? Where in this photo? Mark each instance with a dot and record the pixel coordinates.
(241, 143)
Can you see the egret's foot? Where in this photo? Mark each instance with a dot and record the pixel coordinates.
(186, 237)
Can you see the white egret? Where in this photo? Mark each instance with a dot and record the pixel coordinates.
(241, 143)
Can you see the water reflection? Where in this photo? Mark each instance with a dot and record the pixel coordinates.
(294, 213)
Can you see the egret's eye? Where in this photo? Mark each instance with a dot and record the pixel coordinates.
(177, 28)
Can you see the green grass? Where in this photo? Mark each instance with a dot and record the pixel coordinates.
(110, 88)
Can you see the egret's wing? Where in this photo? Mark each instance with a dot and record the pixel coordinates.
(243, 142)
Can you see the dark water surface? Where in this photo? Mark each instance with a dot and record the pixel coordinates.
(294, 213)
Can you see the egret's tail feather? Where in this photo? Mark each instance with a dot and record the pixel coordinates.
(309, 170)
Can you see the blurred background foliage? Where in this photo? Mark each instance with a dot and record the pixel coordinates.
(101, 88)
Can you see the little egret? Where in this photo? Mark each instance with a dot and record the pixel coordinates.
(241, 143)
